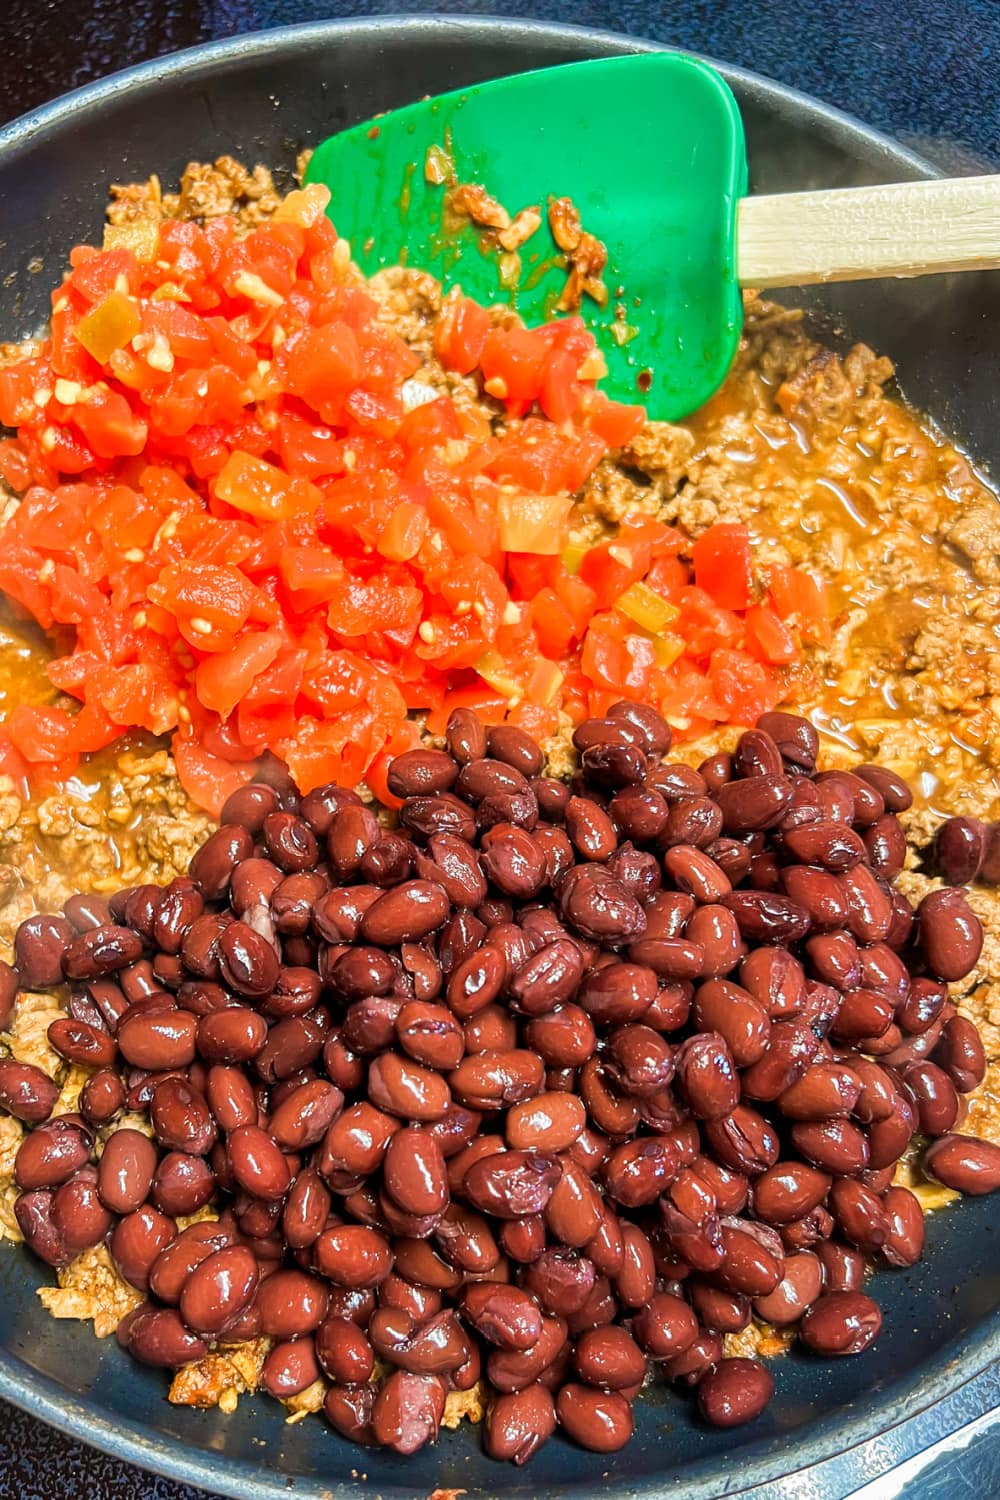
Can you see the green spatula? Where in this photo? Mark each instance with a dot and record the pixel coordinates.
(650, 149)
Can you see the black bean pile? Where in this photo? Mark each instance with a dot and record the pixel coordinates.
(551, 1084)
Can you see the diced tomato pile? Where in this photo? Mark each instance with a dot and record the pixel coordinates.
(259, 547)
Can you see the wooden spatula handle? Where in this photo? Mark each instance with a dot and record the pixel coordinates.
(853, 234)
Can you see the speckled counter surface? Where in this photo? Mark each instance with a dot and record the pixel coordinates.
(926, 71)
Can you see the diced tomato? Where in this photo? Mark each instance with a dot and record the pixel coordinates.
(800, 598)
(704, 624)
(614, 423)
(610, 567)
(460, 333)
(513, 359)
(742, 686)
(223, 679)
(109, 424)
(770, 635)
(207, 778)
(251, 540)
(723, 564)
(322, 365)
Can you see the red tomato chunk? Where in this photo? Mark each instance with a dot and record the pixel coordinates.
(259, 548)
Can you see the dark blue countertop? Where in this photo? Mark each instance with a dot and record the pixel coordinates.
(925, 71)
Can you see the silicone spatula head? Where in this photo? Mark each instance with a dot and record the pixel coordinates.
(650, 150)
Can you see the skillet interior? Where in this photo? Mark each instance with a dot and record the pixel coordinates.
(261, 98)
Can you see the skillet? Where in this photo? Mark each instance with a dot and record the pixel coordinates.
(261, 97)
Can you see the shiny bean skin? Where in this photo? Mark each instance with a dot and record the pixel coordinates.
(905, 1240)
(743, 1141)
(353, 1256)
(292, 1303)
(26, 1092)
(734, 1392)
(503, 1315)
(565, 1037)
(213, 865)
(349, 1408)
(101, 1098)
(959, 849)
(137, 1240)
(408, 1411)
(749, 1267)
(476, 981)
(665, 1326)
(935, 1097)
(157, 1336)
(843, 1266)
(825, 1091)
(511, 1184)
(548, 1123)
(289, 1368)
(174, 1264)
(247, 960)
(414, 1172)
(960, 1053)
(125, 1171)
(548, 978)
(80, 1042)
(690, 1367)
(512, 1370)
(798, 1289)
(860, 1215)
(519, 1423)
(617, 992)
(713, 929)
(100, 950)
(496, 1078)
(775, 978)
(837, 1145)
(696, 821)
(219, 1290)
(33, 1213)
(706, 1076)
(636, 1172)
(421, 771)
(50, 1154)
(753, 804)
(840, 1323)
(787, 1191)
(573, 1212)
(257, 1163)
(39, 943)
(766, 917)
(598, 1420)
(600, 909)
(304, 1117)
(78, 1215)
(693, 871)
(733, 1013)
(158, 1040)
(635, 1282)
(609, 1357)
(638, 1060)
(950, 934)
(406, 1089)
(453, 864)
(344, 1352)
(611, 1112)
(964, 1163)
